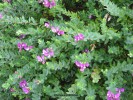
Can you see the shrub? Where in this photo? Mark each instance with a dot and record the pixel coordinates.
(66, 49)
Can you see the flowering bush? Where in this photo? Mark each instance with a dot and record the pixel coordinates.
(66, 50)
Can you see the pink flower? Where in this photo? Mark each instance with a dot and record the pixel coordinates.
(78, 37)
(82, 69)
(60, 32)
(47, 25)
(27, 48)
(52, 4)
(120, 89)
(46, 3)
(20, 47)
(1, 16)
(87, 64)
(49, 4)
(41, 59)
(116, 96)
(24, 46)
(112, 96)
(81, 65)
(55, 29)
(48, 52)
(23, 83)
(78, 64)
(26, 90)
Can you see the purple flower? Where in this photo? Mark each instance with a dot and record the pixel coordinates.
(112, 96)
(26, 90)
(49, 4)
(82, 69)
(87, 64)
(116, 96)
(55, 29)
(78, 37)
(41, 59)
(81, 36)
(1, 16)
(24, 46)
(46, 3)
(47, 24)
(78, 64)
(120, 89)
(23, 83)
(52, 4)
(27, 48)
(60, 32)
(81, 65)
(48, 52)
(20, 47)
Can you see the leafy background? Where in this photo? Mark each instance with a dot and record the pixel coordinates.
(107, 27)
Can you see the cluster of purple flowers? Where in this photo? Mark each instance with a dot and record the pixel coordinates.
(54, 29)
(81, 65)
(48, 52)
(24, 46)
(79, 37)
(116, 96)
(48, 3)
(25, 88)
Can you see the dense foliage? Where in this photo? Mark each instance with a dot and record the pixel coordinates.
(66, 49)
